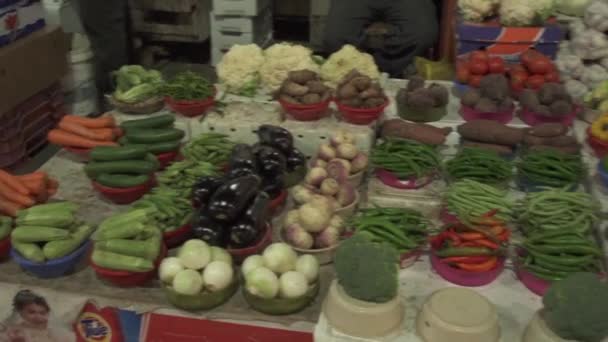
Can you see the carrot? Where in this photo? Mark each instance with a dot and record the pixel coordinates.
(13, 182)
(105, 121)
(63, 138)
(36, 186)
(52, 183)
(14, 196)
(9, 208)
(105, 134)
(78, 129)
(33, 175)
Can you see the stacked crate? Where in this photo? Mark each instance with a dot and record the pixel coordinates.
(239, 22)
(319, 9)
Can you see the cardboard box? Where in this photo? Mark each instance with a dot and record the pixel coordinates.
(31, 64)
(508, 42)
(246, 8)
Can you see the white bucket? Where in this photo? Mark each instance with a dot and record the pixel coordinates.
(52, 11)
(79, 84)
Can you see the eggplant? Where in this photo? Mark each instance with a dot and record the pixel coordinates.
(273, 186)
(271, 161)
(236, 173)
(204, 188)
(243, 234)
(275, 136)
(295, 160)
(242, 157)
(230, 200)
(257, 212)
(204, 228)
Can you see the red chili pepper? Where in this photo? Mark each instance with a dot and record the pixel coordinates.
(491, 213)
(466, 259)
(471, 236)
(486, 243)
(452, 235)
(482, 267)
(505, 235)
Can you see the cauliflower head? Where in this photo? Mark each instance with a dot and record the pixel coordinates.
(281, 59)
(239, 67)
(344, 61)
(477, 10)
(525, 12)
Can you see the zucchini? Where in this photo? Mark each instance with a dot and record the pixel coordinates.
(121, 262)
(61, 248)
(112, 153)
(49, 207)
(159, 121)
(30, 251)
(149, 136)
(57, 219)
(124, 232)
(125, 219)
(117, 180)
(147, 249)
(143, 167)
(38, 234)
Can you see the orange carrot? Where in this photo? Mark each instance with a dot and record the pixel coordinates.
(14, 196)
(52, 183)
(36, 186)
(105, 121)
(13, 182)
(75, 128)
(8, 207)
(33, 175)
(104, 134)
(63, 138)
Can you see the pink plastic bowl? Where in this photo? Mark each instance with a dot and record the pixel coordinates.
(533, 283)
(464, 278)
(390, 179)
(533, 119)
(470, 114)
(302, 112)
(599, 147)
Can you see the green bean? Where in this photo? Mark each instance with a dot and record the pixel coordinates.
(188, 86)
(405, 158)
(479, 165)
(551, 168)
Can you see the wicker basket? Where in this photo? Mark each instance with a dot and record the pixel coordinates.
(149, 106)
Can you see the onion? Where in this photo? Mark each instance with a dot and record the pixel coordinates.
(298, 237)
(168, 268)
(347, 151)
(293, 285)
(315, 176)
(326, 152)
(262, 282)
(251, 263)
(292, 217)
(325, 203)
(194, 254)
(220, 254)
(188, 282)
(318, 163)
(217, 275)
(280, 258)
(308, 265)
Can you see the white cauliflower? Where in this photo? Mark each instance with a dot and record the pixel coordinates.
(594, 75)
(572, 7)
(239, 67)
(576, 27)
(576, 89)
(477, 10)
(525, 12)
(283, 58)
(344, 61)
(569, 65)
(596, 16)
(590, 44)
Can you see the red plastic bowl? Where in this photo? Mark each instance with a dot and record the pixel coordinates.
(309, 112)
(124, 195)
(465, 278)
(275, 205)
(83, 153)
(5, 247)
(361, 116)
(240, 254)
(408, 259)
(599, 146)
(191, 108)
(175, 238)
(165, 159)
(470, 114)
(533, 119)
(388, 178)
(126, 278)
(533, 283)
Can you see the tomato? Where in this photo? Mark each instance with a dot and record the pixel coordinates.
(517, 85)
(496, 65)
(519, 76)
(462, 74)
(518, 68)
(535, 81)
(478, 56)
(475, 80)
(552, 77)
(478, 68)
(529, 55)
(539, 66)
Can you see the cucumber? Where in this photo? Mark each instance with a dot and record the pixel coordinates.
(38, 234)
(143, 167)
(61, 248)
(159, 121)
(147, 249)
(152, 159)
(30, 251)
(116, 180)
(121, 262)
(112, 153)
(163, 147)
(149, 136)
(124, 232)
(59, 219)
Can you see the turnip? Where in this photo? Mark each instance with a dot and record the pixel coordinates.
(296, 236)
(326, 152)
(344, 162)
(312, 218)
(315, 176)
(317, 162)
(327, 238)
(280, 258)
(308, 265)
(293, 217)
(359, 163)
(292, 285)
(346, 195)
(262, 282)
(302, 194)
(217, 275)
(337, 139)
(337, 171)
(330, 187)
(347, 151)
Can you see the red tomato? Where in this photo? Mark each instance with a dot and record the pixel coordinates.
(462, 74)
(529, 55)
(496, 65)
(552, 77)
(519, 76)
(539, 66)
(518, 68)
(475, 80)
(478, 68)
(535, 81)
(517, 85)
(478, 56)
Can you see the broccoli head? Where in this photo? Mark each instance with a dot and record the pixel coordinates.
(494, 87)
(367, 270)
(576, 308)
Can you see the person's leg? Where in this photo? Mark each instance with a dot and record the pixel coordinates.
(345, 23)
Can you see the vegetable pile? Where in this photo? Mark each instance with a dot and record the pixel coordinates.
(188, 86)
(238, 69)
(406, 159)
(48, 231)
(156, 134)
(6, 225)
(343, 61)
(490, 135)
(127, 242)
(480, 165)
(182, 175)
(18, 192)
(360, 91)
(313, 225)
(136, 84)
(303, 87)
(468, 199)
(420, 132)
(492, 96)
(404, 229)
(169, 209)
(213, 148)
(535, 71)
(598, 98)
(551, 168)
(420, 98)
(476, 247)
(85, 133)
(121, 166)
(197, 268)
(552, 99)
(280, 273)
(280, 59)
(478, 65)
(340, 158)
(551, 136)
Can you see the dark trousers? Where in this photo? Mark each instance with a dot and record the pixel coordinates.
(414, 29)
(106, 25)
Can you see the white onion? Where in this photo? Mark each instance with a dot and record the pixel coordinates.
(220, 254)
(194, 254)
(168, 268)
(262, 282)
(251, 263)
(217, 275)
(292, 285)
(308, 266)
(280, 258)
(188, 282)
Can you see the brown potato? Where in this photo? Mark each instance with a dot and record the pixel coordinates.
(354, 102)
(348, 77)
(316, 87)
(302, 76)
(294, 89)
(374, 102)
(347, 91)
(289, 99)
(563, 140)
(361, 82)
(311, 98)
(370, 92)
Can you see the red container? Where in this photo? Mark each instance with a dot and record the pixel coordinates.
(310, 112)
(533, 119)
(165, 159)
(390, 179)
(465, 278)
(600, 147)
(533, 283)
(175, 238)
(447, 217)
(5, 247)
(277, 203)
(191, 108)
(470, 114)
(361, 116)
(124, 195)
(126, 278)
(240, 254)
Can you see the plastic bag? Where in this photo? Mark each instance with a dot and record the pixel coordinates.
(434, 70)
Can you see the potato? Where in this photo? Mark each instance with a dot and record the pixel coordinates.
(488, 131)
(311, 98)
(548, 130)
(354, 102)
(500, 149)
(316, 87)
(370, 92)
(374, 102)
(348, 77)
(347, 91)
(302, 76)
(470, 98)
(361, 82)
(326, 95)
(289, 99)
(294, 89)
(398, 128)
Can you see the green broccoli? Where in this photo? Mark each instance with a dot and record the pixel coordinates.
(367, 270)
(576, 308)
